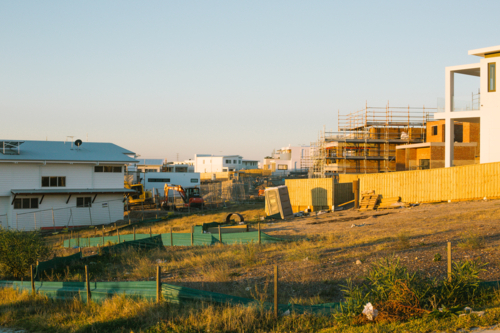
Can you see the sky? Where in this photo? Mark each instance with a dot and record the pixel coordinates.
(175, 78)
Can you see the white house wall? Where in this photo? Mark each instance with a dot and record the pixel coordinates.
(176, 178)
(4, 205)
(19, 176)
(107, 208)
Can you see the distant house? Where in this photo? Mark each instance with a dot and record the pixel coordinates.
(288, 159)
(51, 184)
(431, 153)
(205, 163)
(481, 108)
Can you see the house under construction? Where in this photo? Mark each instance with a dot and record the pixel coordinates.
(366, 140)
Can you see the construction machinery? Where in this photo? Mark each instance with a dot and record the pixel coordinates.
(140, 197)
(191, 198)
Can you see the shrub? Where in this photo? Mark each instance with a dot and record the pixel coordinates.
(19, 250)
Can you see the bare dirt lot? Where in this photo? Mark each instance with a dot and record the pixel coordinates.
(322, 251)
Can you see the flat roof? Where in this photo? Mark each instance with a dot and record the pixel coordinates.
(484, 51)
(74, 191)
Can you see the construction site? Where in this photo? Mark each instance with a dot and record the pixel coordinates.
(366, 140)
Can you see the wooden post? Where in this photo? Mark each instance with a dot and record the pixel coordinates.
(258, 225)
(150, 233)
(33, 291)
(53, 220)
(276, 291)
(34, 215)
(449, 261)
(158, 284)
(88, 241)
(87, 284)
(247, 228)
(102, 235)
(355, 189)
(171, 237)
(134, 232)
(192, 235)
(95, 232)
(78, 239)
(118, 235)
(220, 236)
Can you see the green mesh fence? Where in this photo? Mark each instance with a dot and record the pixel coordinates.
(176, 239)
(147, 290)
(58, 262)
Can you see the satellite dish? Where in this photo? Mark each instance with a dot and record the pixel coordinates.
(78, 143)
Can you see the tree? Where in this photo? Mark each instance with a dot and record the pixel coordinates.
(19, 250)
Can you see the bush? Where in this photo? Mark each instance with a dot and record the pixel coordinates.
(19, 250)
(399, 294)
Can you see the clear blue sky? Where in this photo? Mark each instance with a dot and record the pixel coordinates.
(237, 77)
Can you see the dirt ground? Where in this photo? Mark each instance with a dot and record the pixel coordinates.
(323, 251)
(333, 247)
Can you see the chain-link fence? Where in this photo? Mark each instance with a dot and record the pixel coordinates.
(228, 191)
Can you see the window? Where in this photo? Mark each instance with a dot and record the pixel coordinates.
(434, 130)
(108, 168)
(228, 161)
(239, 161)
(282, 167)
(158, 180)
(194, 180)
(26, 203)
(83, 202)
(53, 181)
(235, 162)
(492, 77)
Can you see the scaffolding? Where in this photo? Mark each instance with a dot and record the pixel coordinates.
(366, 140)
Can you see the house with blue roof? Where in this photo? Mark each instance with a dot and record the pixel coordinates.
(57, 184)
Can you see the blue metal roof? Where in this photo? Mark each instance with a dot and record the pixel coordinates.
(61, 151)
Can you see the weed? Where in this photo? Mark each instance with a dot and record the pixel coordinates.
(471, 241)
(437, 257)
(403, 241)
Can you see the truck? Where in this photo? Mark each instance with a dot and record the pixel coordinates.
(140, 197)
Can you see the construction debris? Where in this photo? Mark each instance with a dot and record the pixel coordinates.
(368, 201)
(390, 203)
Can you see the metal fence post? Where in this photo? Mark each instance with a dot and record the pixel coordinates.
(118, 235)
(220, 235)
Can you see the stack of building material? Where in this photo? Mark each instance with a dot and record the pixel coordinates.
(368, 201)
(389, 203)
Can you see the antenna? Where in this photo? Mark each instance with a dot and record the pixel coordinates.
(78, 143)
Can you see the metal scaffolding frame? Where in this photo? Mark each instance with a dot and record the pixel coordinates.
(366, 140)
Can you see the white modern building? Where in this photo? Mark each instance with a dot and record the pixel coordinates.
(485, 111)
(288, 159)
(204, 163)
(156, 181)
(51, 184)
(147, 165)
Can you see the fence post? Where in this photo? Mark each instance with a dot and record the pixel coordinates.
(150, 233)
(220, 235)
(355, 189)
(95, 232)
(53, 220)
(192, 235)
(34, 216)
(87, 280)
(258, 226)
(88, 241)
(118, 235)
(449, 261)
(276, 291)
(142, 211)
(247, 228)
(171, 237)
(17, 225)
(90, 215)
(158, 284)
(32, 281)
(79, 240)
(134, 232)
(103, 235)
